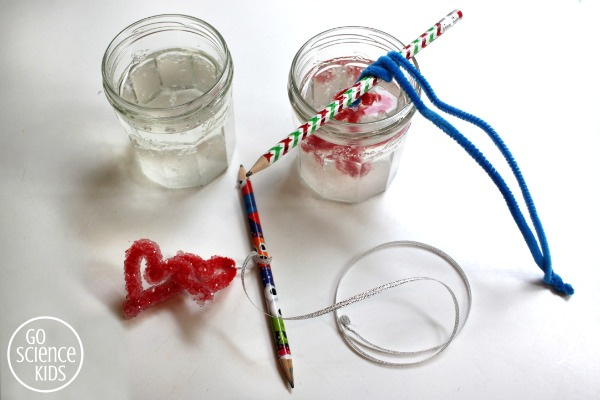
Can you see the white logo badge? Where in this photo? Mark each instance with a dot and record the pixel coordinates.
(45, 354)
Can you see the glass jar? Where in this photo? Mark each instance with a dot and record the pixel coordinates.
(355, 156)
(169, 77)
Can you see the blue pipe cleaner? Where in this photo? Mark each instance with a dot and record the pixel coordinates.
(388, 68)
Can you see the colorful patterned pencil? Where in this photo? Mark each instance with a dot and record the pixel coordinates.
(349, 96)
(258, 241)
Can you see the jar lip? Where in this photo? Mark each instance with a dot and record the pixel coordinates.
(407, 111)
(132, 29)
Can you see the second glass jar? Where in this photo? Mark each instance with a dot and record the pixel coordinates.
(355, 156)
(169, 79)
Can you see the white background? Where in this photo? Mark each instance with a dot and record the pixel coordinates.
(70, 205)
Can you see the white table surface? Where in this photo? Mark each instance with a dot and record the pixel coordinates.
(70, 206)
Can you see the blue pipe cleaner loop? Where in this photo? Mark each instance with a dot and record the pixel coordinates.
(388, 68)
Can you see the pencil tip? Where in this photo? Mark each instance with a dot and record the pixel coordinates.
(241, 175)
(248, 174)
(292, 384)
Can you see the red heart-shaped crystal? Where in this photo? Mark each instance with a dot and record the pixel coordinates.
(185, 271)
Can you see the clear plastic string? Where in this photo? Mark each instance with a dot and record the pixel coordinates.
(349, 332)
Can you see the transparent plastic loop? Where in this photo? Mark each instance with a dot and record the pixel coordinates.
(359, 343)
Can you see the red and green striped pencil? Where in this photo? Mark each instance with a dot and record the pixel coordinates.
(348, 97)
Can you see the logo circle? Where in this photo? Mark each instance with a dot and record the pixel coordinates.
(45, 354)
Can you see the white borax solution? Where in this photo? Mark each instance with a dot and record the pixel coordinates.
(350, 172)
(190, 150)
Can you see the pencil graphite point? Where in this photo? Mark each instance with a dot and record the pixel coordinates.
(288, 370)
(260, 164)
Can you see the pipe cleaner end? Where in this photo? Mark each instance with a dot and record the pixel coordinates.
(557, 284)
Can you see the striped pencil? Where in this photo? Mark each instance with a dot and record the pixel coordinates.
(258, 241)
(349, 96)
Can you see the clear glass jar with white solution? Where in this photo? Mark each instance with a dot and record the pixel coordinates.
(355, 156)
(169, 79)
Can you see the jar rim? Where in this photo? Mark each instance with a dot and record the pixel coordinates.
(120, 40)
(403, 114)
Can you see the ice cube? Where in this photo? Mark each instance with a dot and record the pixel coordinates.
(205, 73)
(175, 70)
(145, 81)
